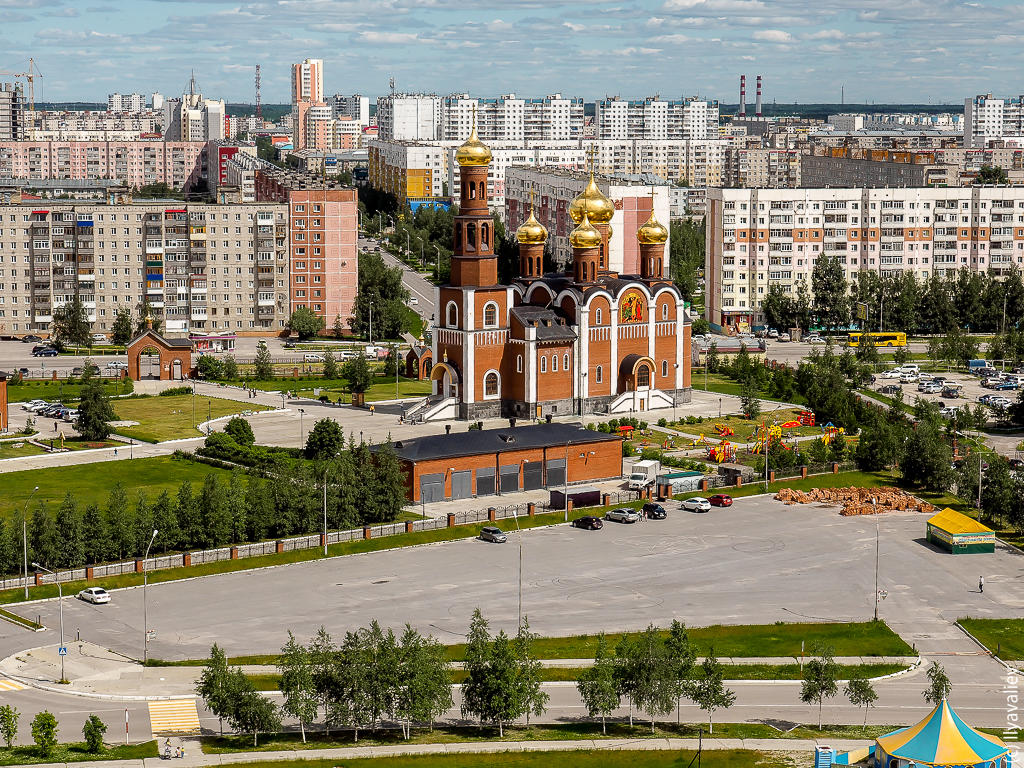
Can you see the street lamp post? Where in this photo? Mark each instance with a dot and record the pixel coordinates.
(302, 429)
(145, 604)
(515, 516)
(24, 535)
(873, 504)
(437, 264)
(60, 603)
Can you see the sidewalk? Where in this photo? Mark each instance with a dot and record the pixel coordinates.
(95, 672)
(196, 758)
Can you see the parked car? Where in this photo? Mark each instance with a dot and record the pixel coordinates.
(117, 364)
(908, 378)
(772, 333)
(623, 515)
(814, 338)
(999, 402)
(589, 523)
(45, 352)
(655, 511)
(909, 368)
(783, 337)
(31, 404)
(1016, 464)
(895, 373)
(99, 337)
(720, 500)
(493, 535)
(413, 301)
(94, 595)
(313, 357)
(70, 415)
(697, 504)
(985, 399)
(991, 382)
(31, 339)
(889, 389)
(927, 377)
(23, 371)
(40, 407)
(948, 412)
(954, 391)
(931, 388)
(1003, 386)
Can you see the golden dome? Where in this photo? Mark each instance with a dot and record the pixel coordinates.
(585, 236)
(473, 151)
(532, 232)
(598, 207)
(652, 233)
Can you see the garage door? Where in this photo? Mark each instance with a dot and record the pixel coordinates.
(432, 488)
(556, 472)
(462, 484)
(509, 478)
(533, 475)
(485, 481)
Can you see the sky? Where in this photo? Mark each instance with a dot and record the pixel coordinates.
(896, 51)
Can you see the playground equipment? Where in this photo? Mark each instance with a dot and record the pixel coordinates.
(831, 432)
(696, 441)
(806, 418)
(724, 451)
(791, 425)
(724, 431)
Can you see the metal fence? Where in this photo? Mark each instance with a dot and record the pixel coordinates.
(311, 541)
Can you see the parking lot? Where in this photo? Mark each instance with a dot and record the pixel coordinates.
(971, 391)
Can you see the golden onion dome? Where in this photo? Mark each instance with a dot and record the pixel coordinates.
(532, 232)
(653, 232)
(585, 236)
(599, 208)
(473, 151)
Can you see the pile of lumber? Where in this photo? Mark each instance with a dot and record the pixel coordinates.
(857, 501)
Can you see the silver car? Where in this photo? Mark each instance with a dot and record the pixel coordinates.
(623, 515)
(493, 535)
(697, 504)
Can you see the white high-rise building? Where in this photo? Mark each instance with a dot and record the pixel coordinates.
(193, 118)
(355, 107)
(655, 118)
(987, 118)
(126, 102)
(409, 117)
(509, 118)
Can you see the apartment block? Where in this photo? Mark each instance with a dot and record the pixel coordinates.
(887, 121)
(988, 118)
(762, 167)
(760, 237)
(126, 102)
(12, 112)
(409, 117)
(179, 164)
(194, 118)
(842, 167)
(553, 191)
(413, 173)
(202, 267)
(311, 115)
(503, 159)
(62, 125)
(355, 107)
(322, 240)
(695, 162)
(656, 118)
(509, 118)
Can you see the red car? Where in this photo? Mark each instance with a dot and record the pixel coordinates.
(720, 500)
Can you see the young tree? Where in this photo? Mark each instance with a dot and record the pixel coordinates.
(241, 430)
(97, 544)
(165, 520)
(381, 292)
(861, 693)
(94, 411)
(251, 712)
(939, 686)
(216, 517)
(305, 323)
(324, 668)
(928, 458)
(121, 332)
(262, 369)
(143, 523)
(120, 522)
(93, 731)
(391, 362)
(819, 680)
(682, 656)
(424, 683)
(646, 674)
(597, 684)
(357, 372)
(338, 328)
(44, 733)
(214, 686)
(146, 315)
(42, 532)
(708, 692)
(190, 518)
(70, 547)
(209, 368)
(70, 326)
(9, 724)
(530, 672)
(330, 366)
(230, 368)
(831, 293)
(351, 700)
(300, 699)
(748, 397)
(325, 440)
(8, 551)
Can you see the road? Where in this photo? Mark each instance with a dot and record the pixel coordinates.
(417, 285)
(757, 562)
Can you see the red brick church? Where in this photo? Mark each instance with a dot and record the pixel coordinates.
(589, 340)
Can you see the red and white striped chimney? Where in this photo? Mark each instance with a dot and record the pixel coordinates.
(758, 102)
(743, 95)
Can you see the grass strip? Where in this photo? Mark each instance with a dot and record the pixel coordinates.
(740, 758)
(1002, 637)
(76, 753)
(21, 621)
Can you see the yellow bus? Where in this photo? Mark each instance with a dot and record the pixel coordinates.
(887, 339)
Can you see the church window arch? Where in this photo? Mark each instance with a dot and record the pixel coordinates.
(490, 315)
(452, 315)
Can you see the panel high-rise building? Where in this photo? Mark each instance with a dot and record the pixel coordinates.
(988, 118)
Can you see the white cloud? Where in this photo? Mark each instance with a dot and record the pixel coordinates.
(773, 36)
(388, 38)
(714, 6)
(827, 34)
(672, 39)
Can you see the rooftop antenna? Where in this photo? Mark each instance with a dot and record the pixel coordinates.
(259, 101)
(391, 84)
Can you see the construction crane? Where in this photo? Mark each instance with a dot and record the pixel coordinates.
(29, 77)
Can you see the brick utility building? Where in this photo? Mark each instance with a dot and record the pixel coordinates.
(553, 344)
(495, 461)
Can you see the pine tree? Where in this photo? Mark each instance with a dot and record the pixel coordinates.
(96, 534)
(259, 508)
(143, 524)
(42, 535)
(119, 522)
(213, 501)
(8, 558)
(237, 508)
(165, 520)
(190, 521)
(330, 366)
(70, 546)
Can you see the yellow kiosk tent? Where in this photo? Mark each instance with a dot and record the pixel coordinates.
(959, 533)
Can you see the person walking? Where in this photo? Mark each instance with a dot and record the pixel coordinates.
(981, 584)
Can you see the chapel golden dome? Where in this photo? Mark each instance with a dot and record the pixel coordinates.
(599, 208)
(585, 236)
(473, 152)
(531, 231)
(653, 232)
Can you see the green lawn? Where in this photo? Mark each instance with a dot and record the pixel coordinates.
(740, 758)
(1003, 637)
(724, 385)
(73, 753)
(12, 449)
(90, 484)
(170, 418)
(62, 391)
(383, 388)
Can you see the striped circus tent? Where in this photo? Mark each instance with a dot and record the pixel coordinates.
(941, 739)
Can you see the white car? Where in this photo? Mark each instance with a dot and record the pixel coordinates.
(814, 339)
(909, 368)
(908, 378)
(999, 402)
(37, 407)
(895, 373)
(94, 595)
(623, 515)
(697, 504)
(118, 364)
(98, 337)
(32, 404)
(413, 301)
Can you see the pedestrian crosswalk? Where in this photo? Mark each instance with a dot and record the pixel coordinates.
(177, 716)
(10, 685)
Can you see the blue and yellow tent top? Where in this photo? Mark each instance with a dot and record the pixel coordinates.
(942, 739)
